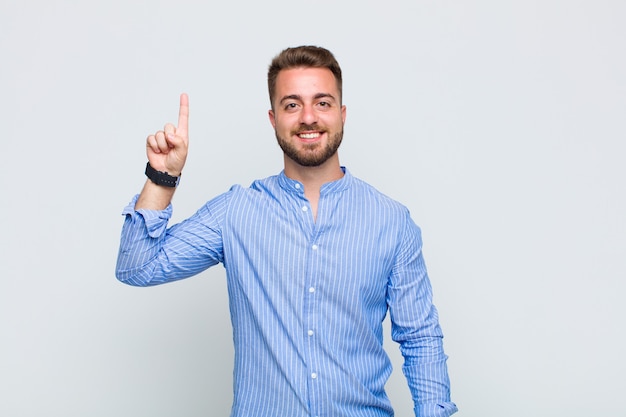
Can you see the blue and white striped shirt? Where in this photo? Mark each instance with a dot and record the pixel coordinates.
(307, 298)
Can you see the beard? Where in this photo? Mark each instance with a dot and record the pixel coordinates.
(311, 155)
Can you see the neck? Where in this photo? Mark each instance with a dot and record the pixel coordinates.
(314, 177)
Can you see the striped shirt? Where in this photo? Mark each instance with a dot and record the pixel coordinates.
(307, 297)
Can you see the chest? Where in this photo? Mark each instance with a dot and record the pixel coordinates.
(278, 245)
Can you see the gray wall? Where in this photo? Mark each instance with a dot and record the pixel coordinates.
(499, 124)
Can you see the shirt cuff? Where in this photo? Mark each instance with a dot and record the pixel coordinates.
(155, 220)
(439, 409)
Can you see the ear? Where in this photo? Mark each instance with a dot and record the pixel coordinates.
(343, 113)
(270, 113)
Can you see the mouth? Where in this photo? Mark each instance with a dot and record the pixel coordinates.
(309, 136)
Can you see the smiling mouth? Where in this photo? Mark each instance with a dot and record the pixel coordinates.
(313, 135)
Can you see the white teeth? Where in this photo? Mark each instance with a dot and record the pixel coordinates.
(309, 135)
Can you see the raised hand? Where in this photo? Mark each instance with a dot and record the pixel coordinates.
(167, 152)
(167, 149)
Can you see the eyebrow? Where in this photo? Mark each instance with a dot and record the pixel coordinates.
(299, 98)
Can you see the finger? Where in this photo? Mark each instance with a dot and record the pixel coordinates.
(161, 142)
(169, 128)
(151, 143)
(183, 116)
(170, 132)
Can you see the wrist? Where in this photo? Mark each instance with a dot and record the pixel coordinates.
(154, 197)
(161, 178)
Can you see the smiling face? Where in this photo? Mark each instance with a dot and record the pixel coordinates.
(307, 116)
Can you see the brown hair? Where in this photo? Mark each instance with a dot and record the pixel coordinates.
(302, 56)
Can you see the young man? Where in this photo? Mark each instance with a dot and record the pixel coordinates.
(314, 257)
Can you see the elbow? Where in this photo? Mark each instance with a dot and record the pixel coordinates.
(132, 278)
(132, 272)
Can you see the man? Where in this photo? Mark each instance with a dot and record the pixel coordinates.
(314, 258)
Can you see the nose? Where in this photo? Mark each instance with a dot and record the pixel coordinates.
(308, 115)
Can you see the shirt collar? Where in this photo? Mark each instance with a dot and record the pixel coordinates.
(294, 186)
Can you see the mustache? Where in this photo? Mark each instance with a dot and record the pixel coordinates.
(308, 128)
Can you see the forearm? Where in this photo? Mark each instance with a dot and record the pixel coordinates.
(426, 371)
(143, 257)
(154, 197)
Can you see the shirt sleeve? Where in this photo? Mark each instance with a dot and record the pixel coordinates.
(415, 326)
(150, 253)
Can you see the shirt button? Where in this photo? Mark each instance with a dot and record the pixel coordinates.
(305, 208)
(313, 375)
(312, 290)
(310, 332)
(314, 247)
(297, 186)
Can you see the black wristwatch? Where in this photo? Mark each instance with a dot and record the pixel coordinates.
(160, 177)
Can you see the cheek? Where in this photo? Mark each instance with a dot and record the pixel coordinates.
(335, 120)
(285, 122)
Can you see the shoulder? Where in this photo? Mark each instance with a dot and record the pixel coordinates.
(256, 188)
(239, 195)
(374, 196)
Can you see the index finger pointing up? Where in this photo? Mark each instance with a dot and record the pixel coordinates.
(183, 116)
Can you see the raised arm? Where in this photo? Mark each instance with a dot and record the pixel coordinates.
(167, 152)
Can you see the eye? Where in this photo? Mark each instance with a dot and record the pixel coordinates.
(324, 105)
(291, 106)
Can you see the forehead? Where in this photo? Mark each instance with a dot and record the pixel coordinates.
(305, 81)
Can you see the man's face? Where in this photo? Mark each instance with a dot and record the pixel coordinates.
(307, 115)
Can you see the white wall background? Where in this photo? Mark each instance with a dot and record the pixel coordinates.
(500, 124)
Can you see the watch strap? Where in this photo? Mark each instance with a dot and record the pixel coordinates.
(160, 177)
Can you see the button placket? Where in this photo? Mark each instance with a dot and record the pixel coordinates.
(312, 322)
(310, 333)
